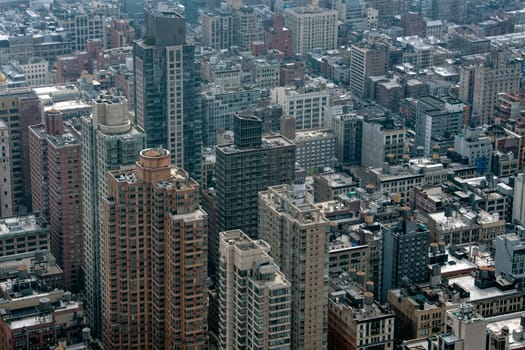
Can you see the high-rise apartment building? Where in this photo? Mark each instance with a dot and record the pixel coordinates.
(249, 165)
(154, 257)
(19, 109)
(366, 60)
(109, 141)
(480, 84)
(56, 184)
(312, 28)
(405, 253)
(254, 296)
(167, 90)
(298, 234)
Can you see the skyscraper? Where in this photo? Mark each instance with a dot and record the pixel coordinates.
(246, 167)
(167, 90)
(254, 296)
(298, 234)
(56, 183)
(109, 141)
(153, 227)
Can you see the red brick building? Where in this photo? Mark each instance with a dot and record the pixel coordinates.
(56, 180)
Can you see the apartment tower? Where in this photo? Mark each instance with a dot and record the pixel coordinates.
(56, 186)
(249, 165)
(109, 141)
(167, 90)
(254, 296)
(154, 257)
(298, 234)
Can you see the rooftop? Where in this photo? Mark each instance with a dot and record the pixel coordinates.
(268, 142)
(513, 322)
(476, 293)
(70, 136)
(313, 134)
(20, 224)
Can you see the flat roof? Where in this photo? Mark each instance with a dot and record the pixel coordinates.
(476, 293)
(19, 224)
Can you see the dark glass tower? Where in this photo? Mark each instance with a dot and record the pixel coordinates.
(167, 82)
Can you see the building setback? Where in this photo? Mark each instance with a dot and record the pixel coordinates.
(56, 183)
(153, 225)
(251, 284)
(298, 234)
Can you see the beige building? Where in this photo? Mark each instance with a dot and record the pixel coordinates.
(465, 227)
(153, 226)
(298, 234)
(312, 28)
(416, 317)
(481, 83)
(254, 296)
(355, 320)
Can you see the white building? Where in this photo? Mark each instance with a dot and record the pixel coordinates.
(476, 148)
(312, 28)
(305, 104)
(36, 70)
